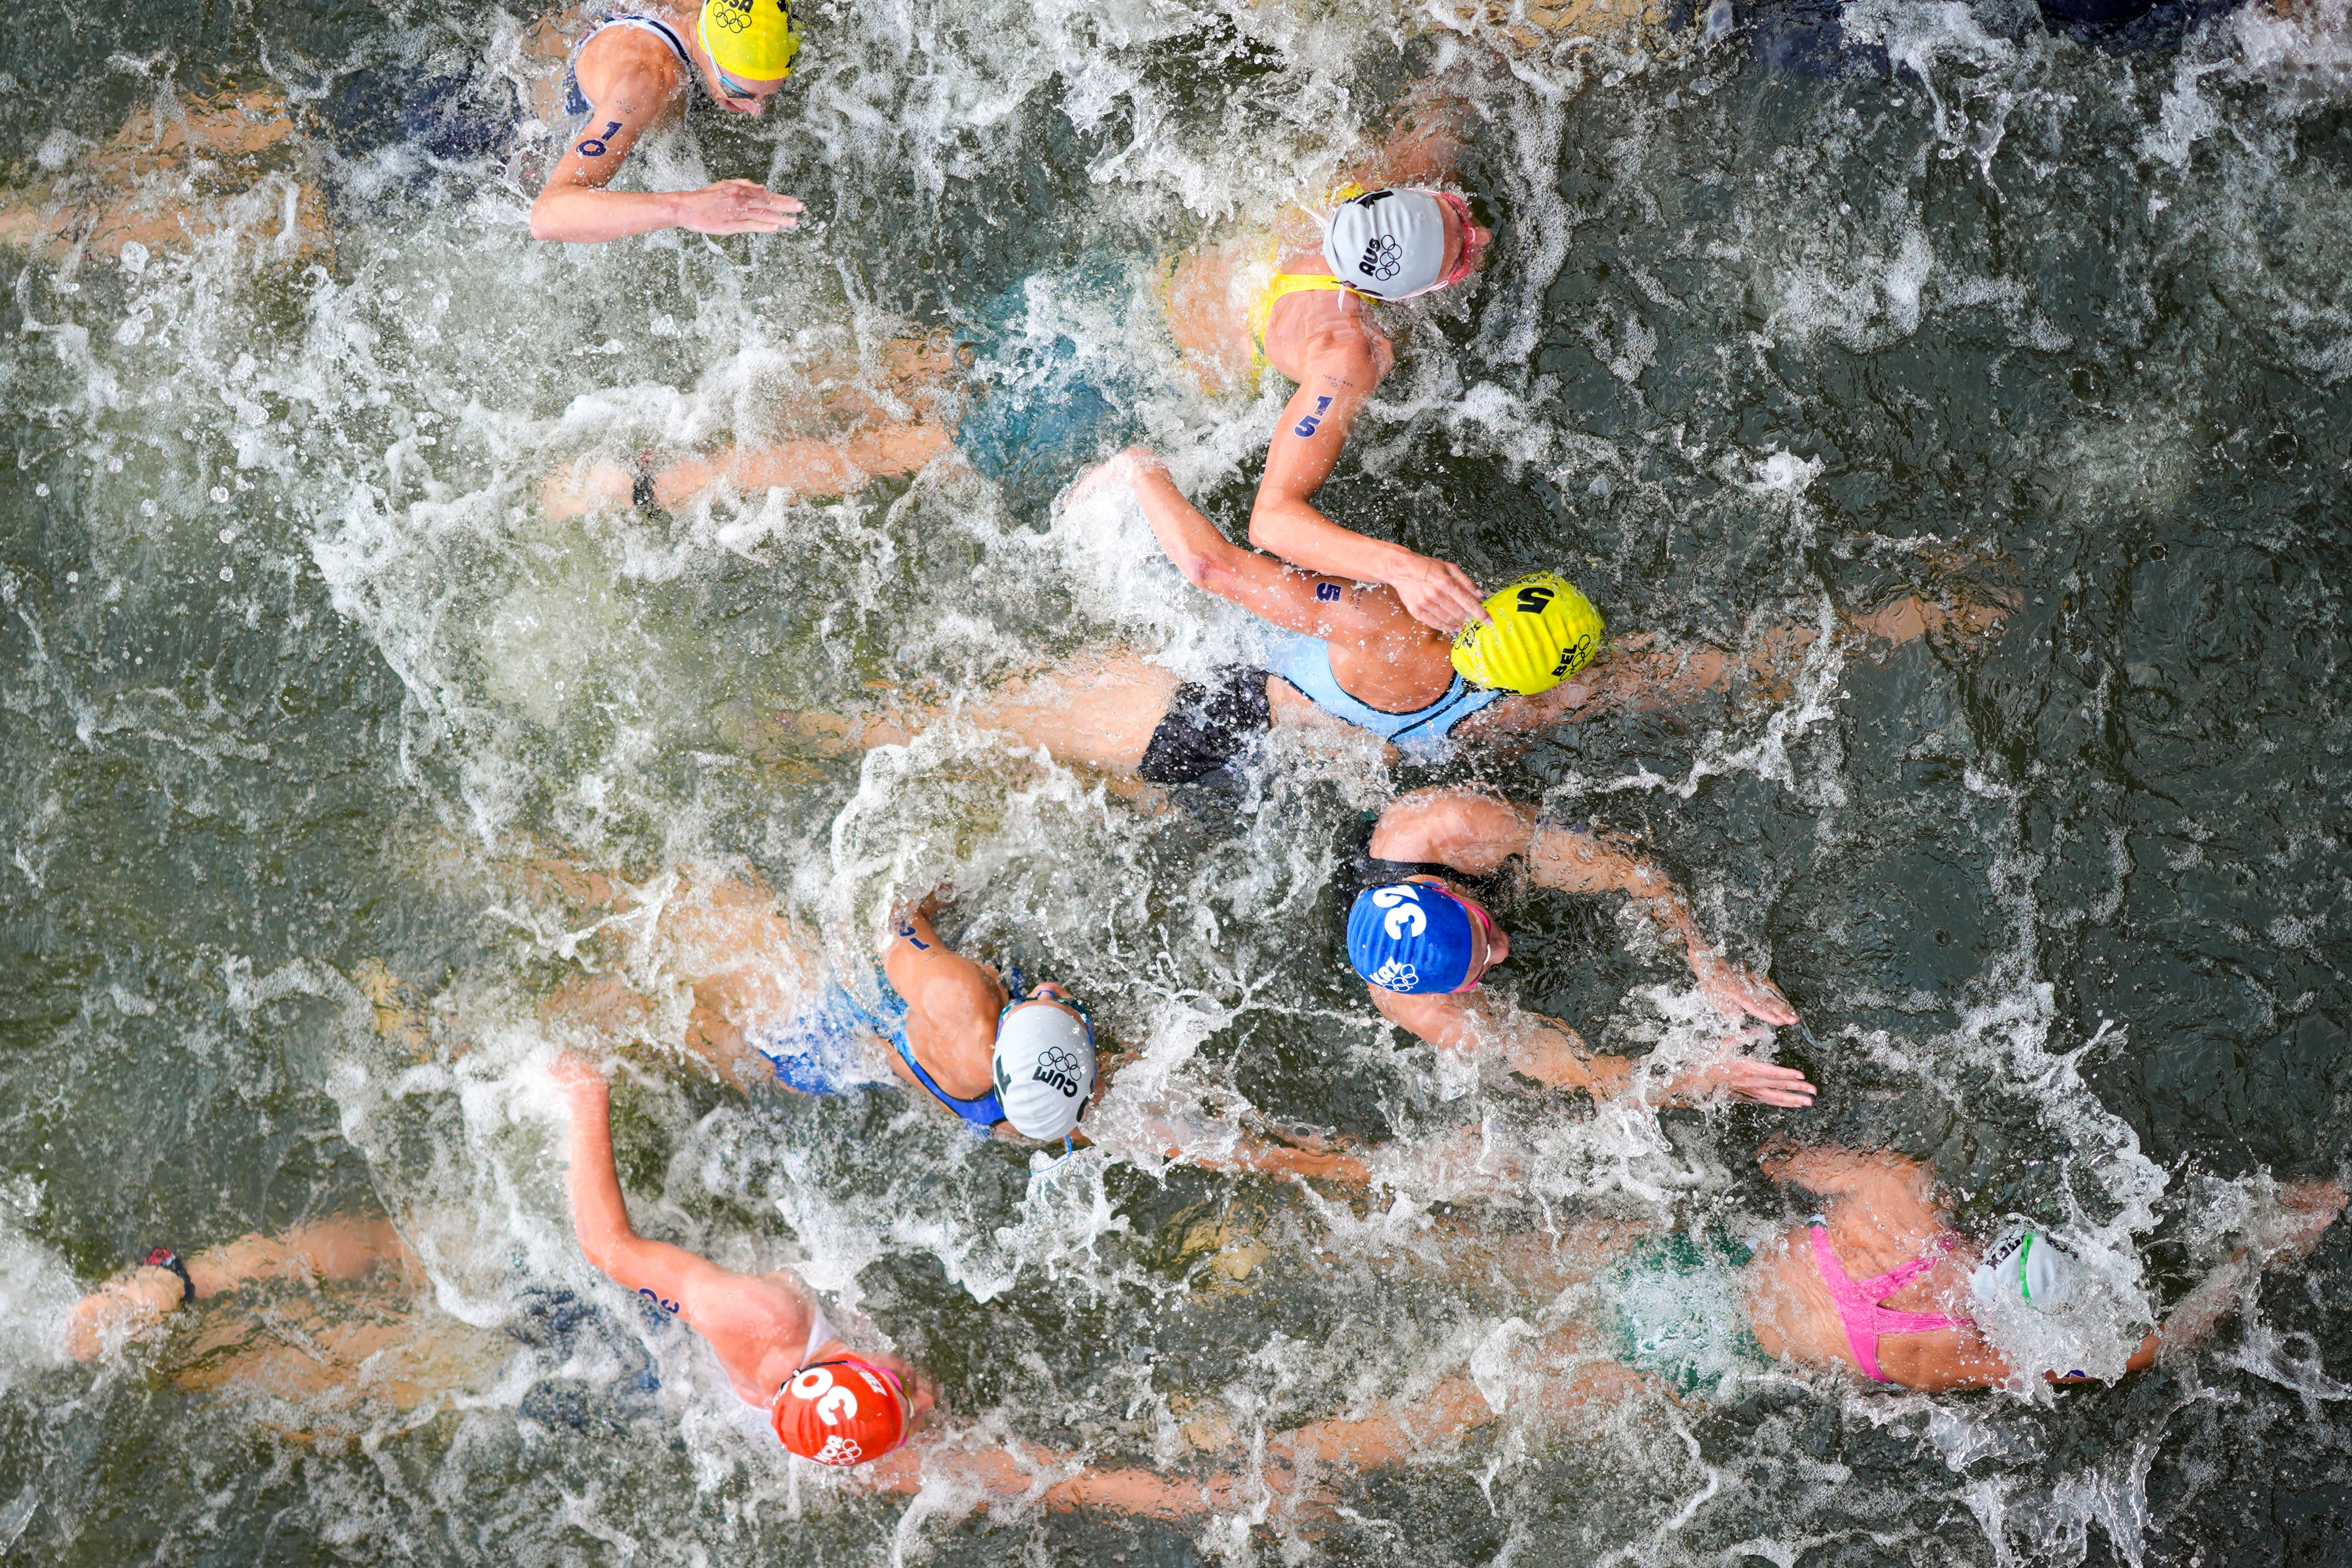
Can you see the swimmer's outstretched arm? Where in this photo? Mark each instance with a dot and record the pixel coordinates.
(1299, 1462)
(2308, 1209)
(332, 1249)
(758, 1325)
(1555, 1056)
(1476, 832)
(1266, 587)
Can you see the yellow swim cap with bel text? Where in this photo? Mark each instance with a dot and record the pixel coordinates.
(1543, 632)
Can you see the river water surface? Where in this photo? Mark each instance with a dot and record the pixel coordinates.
(297, 681)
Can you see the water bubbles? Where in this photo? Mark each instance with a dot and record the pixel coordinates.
(73, 577)
(56, 149)
(147, 509)
(40, 489)
(134, 257)
(113, 465)
(227, 535)
(220, 493)
(227, 574)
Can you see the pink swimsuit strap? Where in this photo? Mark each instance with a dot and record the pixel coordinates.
(1858, 1301)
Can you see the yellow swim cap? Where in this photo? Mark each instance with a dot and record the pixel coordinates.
(1544, 631)
(750, 40)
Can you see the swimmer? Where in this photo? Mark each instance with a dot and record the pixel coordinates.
(1877, 1287)
(1352, 659)
(1421, 937)
(182, 172)
(1312, 319)
(1233, 308)
(826, 1401)
(346, 1326)
(638, 72)
(1020, 1065)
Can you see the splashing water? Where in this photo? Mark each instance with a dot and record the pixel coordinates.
(1793, 312)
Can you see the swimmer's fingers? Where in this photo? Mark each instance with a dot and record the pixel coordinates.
(109, 1316)
(1741, 992)
(1767, 1083)
(572, 1071)
(739, 206)
(1440, 595)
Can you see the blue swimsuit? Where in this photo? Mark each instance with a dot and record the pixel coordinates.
(1305, 663)
(1207, 726)
(816, 1051)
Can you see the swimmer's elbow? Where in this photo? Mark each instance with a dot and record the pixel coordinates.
(1214, 572)
(546, 216)
(1270, 526)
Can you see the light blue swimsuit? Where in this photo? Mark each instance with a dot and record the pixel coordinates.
(1305, 663)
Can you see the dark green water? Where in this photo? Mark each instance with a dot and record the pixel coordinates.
(1962, 307)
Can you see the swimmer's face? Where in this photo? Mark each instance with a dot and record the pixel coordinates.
(742, 97)
(1049, 993)
(1466, 242)
(1489, 942)
(915, 1397)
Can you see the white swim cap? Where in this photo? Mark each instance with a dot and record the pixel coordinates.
(1044, 1069)
(1387, 243)
(2032, 1267)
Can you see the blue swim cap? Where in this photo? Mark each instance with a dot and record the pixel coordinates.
(1408, 937)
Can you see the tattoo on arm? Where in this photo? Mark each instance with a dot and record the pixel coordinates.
(906, 928)
(1305, 426)
(594, 146)
(650, 1294)
(1328, 592)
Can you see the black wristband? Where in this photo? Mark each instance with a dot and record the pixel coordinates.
(164, 1257)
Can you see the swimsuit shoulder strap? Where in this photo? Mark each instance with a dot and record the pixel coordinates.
(576, 101)
(654, 25)
(983, 1110)
(1857, 1302)
(1278, 288)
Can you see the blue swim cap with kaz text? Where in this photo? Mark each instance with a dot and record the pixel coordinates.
(1410, 937)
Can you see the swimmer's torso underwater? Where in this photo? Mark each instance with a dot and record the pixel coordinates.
(425, 648)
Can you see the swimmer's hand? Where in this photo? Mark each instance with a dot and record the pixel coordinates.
(1739, 991)
(1438, 594)
(2309, 1208)
(576, 1076)
(112, 1314)
(1744, 1077)
(737, 206)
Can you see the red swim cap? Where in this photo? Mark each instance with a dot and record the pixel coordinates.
(840, 1412)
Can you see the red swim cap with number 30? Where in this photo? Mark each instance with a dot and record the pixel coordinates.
(840, 1412)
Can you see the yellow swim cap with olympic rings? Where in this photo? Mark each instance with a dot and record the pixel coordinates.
(1543, 632)
(752, 41)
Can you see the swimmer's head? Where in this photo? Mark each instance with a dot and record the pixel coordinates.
(751, 45)
(842, 1411)
(1543, 631)
(1043, 1064)
(1395, 244)
(1421, 937)
(2030, 1266)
